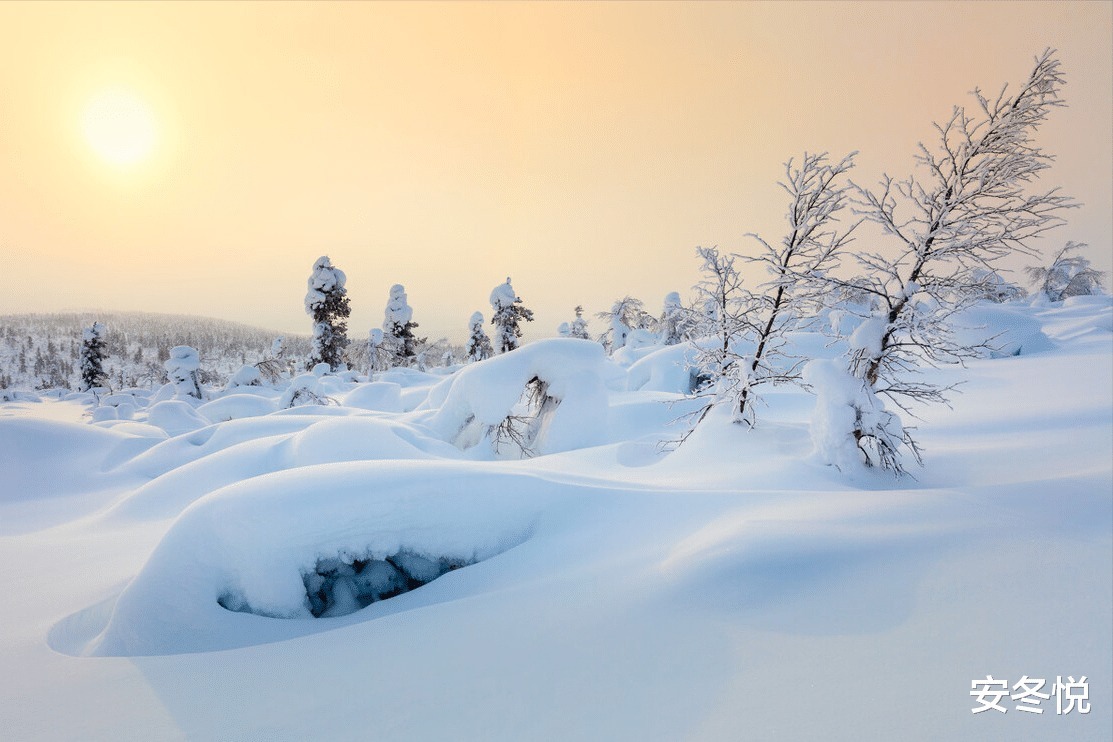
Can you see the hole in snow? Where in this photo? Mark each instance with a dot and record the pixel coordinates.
(344, 584)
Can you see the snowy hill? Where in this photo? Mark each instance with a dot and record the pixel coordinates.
(508, 553)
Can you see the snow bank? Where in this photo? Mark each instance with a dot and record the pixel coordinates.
(1005, 330)
(254, 543)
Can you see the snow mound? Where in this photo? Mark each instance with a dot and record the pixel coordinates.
(236, 406)
(175, 417)
(256, 544)
(1004, 330)
(381, 396)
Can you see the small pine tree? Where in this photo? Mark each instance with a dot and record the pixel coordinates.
(327, 302)
(479, 345)
(398, 329)
(93, 354)
(507, 317)
(578, 328)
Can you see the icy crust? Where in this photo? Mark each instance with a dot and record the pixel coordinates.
(478, 398)
(271, 546)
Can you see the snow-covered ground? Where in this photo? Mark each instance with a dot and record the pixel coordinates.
(161, 572)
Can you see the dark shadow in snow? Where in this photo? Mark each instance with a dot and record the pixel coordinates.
(344, 584)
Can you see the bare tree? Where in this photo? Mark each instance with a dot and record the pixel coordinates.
(809, 250)
(970, 209)
(749, 327)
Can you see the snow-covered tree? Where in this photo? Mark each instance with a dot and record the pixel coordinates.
(578, 328)
(1067, 275)
(508, 316)
(725, 304)
(478, 347)
(810, 248)
(93, 354)
(182, 368)
(969, 210)
(327, 302)
(674, 323)
(627, 314)
(379, 356)
(398, 328)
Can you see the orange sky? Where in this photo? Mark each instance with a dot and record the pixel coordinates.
(583, 149)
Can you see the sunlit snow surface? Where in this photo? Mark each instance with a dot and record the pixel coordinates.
(732, 589)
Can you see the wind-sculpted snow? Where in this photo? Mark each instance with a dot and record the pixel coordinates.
(227, 459)
(251, 545)
(610, 587)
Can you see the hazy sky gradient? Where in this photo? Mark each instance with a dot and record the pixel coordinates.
(583, 149)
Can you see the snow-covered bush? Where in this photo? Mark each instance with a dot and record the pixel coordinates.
(1067, 275)
(627, 314)
(246, 376)
(508, 316)
(546, 397)
(327, 302)
(182, 368)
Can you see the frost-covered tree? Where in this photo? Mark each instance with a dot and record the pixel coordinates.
(627, 314)
(93, 355)
(970, 209)
(398, 328)
(182, 368)
(810, 248)
(725, 303)
(478, 347)
(379, 356)
(327, 302)
(578, 327)
(508, 316)
(1067, 275)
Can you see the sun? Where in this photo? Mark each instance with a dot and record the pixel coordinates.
(120, 128)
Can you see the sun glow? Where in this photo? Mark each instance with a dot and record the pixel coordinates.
(120, 128)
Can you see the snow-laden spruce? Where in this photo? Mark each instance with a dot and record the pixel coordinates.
(93, 354)
(182, 368)
(478, 347)
(399, 341)
(673, 323)
(508, 316)
(327, 302)
(578, 327)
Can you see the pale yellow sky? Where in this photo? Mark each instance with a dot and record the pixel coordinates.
(583, 149)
